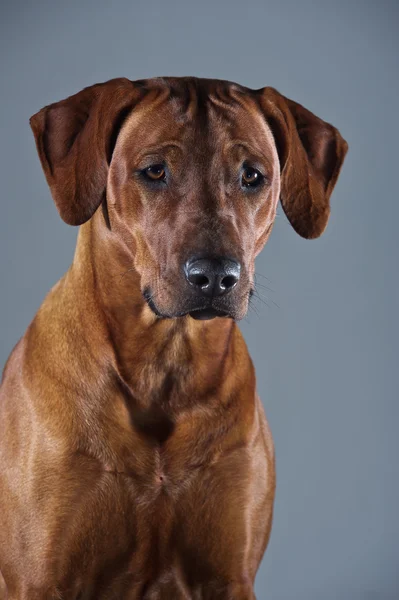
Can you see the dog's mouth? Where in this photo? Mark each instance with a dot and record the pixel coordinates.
(203, 313)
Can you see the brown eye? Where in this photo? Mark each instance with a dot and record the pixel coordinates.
(155, 172)
(251, 177)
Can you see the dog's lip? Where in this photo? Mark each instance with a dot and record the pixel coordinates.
(205, 314)
(148, 298)
(200, 313)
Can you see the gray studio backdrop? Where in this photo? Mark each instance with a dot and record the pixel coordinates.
(325, 342)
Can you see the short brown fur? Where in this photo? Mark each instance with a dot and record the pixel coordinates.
(136, 460)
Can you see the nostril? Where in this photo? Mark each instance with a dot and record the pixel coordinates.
(212, 276)
(228, 282)
(198, 279)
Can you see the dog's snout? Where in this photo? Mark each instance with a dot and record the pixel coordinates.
(213, 276)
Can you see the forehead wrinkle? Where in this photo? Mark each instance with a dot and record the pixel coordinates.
(229, 97)
(184, 105)
(189, 103)
(154, 149)
(191, 107)
(221, 103)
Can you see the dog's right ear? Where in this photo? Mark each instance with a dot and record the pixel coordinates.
(75, 140)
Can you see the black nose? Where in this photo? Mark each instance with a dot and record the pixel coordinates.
(213, 276)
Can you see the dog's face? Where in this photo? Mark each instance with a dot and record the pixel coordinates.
(194, 181)
(190, 172)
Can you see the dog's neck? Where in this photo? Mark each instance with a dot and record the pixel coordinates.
(156, 359)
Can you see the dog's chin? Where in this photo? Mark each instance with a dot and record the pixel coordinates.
(200, 313)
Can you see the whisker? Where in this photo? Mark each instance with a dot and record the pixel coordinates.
(252, 307)
(264, 287)
(261, 275)
(263, 300)
(257, 295)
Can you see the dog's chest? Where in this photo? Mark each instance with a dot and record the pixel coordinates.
(137, 535)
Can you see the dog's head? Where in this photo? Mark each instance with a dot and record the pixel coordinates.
(189, 172)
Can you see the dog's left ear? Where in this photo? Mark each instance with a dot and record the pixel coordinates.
(311, 154)
(75, 139)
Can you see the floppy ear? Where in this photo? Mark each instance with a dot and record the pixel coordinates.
(311, 154)
(75, 139)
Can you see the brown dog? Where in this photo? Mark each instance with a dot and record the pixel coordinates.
(136, 461)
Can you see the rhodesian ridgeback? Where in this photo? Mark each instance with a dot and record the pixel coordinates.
(136, 460)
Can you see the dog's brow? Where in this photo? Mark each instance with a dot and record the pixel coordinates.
(229, 145)
(156, 148)
(248, 147)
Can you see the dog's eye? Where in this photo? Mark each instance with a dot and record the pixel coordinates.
(155, 173)
(251, 177)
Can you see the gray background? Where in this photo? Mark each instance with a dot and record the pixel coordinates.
(327, 356)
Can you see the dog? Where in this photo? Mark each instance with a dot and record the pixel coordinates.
(136, 459)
